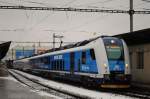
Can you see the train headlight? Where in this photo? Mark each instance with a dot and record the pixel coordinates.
(105, 65)
(112, 41)
(127, 65)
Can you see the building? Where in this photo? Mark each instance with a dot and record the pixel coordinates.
(139, 48)
(18, 52)
(42, 49)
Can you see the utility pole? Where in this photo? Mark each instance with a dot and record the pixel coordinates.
(131, 12)
(53, 40)
(39, 44)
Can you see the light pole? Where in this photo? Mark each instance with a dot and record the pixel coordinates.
(57, 36)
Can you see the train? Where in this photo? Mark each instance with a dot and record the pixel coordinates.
(102, 61)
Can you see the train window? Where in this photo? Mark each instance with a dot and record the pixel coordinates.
(41, 60)
(63, 65)
(72, 63)
(92, 54)
(114, 49)
(79, 64)
(46, 60)
(83, 57)
(54, 65)
(60, 64)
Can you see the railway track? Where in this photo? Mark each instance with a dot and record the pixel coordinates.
(136, 92)
(131, 92)
(35, 85)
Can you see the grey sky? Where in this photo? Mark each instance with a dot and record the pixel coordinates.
(21, 25)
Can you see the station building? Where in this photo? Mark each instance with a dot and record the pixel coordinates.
(139, 48)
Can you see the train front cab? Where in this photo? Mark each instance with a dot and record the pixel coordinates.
(118, 64)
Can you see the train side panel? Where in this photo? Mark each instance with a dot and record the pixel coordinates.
(84, 61)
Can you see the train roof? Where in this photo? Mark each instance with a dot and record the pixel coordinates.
(82, 43)
(78, 44)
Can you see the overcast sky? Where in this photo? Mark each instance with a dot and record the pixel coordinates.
(21, 25)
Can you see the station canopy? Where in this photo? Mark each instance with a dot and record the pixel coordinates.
(136, 37)
(4, 47)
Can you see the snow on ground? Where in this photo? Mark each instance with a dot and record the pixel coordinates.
(9, 78)
(45, 94)
(41, 93)
(75, 90)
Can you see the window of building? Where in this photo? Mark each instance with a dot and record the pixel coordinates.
(140, 60)
(130, 54)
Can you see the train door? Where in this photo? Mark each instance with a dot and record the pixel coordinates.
(84, 67)
(72, 63)
(91, 61)
(77, 60)
(88, 59)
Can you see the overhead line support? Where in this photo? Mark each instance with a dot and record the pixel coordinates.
(62, 9)
(75, 9)
(131, 11)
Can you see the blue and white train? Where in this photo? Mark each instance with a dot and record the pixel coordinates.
(102, 61)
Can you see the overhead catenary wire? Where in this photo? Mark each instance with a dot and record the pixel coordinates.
(45, 17)
(131, 12)
(34, 42)
(89, 21)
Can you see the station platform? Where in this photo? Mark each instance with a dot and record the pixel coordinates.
(12, 89)
(3, 70)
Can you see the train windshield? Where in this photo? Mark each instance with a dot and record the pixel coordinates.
(114, 49)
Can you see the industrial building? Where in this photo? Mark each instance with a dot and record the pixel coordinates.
(139, 48)
(18, 52)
